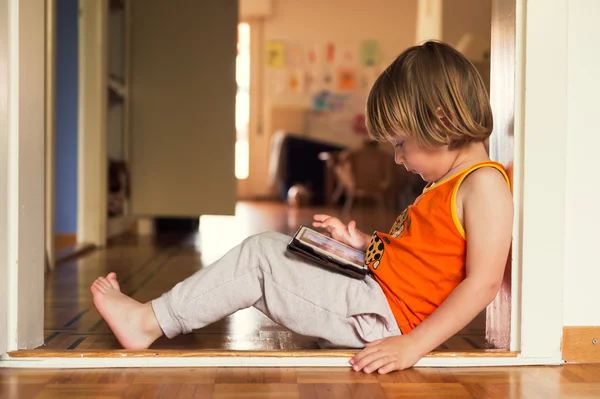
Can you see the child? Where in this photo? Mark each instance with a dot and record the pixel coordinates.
(440, 265)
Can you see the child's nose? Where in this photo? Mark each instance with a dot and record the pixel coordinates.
(399, 159)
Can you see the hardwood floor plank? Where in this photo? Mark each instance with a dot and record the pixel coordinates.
(491, 391)
(426, 390)
(107, 391)
(177, 376)
(420, 375)
(264, 375)
(581, 373)
(267, 390)
(334, 375)
(21, 391)
(341, 391)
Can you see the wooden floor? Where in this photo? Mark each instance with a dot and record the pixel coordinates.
(569, 381)
(147, 267)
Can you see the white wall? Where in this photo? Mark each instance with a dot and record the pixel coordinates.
(395, 24)
(582, 261)
(311, 24)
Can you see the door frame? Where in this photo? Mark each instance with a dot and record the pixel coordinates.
(542, 57)
(538, 250)
(50, 126)
(92, 104)
(22, 171)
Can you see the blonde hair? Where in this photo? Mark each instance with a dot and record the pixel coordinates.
(432, 94)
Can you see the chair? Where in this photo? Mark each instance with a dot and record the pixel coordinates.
(367, 172)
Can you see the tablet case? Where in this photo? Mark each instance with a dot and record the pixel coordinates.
(297, 247)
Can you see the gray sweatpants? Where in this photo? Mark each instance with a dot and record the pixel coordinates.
(341, 311)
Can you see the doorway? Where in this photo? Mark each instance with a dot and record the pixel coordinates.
(472, 337)
(527, 308)
(149, 114)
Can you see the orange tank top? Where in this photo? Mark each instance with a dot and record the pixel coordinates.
(422, 259)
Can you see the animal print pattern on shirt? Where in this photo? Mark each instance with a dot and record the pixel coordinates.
(401, 224)
(374, 252)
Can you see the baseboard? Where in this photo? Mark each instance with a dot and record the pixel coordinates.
(120, 225)
(72, 252)
(64, 240)
(581, 344)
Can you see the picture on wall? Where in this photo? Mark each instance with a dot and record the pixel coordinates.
(346, 79)
(370, 53)
(276, 54)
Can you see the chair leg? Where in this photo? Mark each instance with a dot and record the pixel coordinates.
(349, 202)
(335, 197)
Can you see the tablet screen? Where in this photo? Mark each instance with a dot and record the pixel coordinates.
(328, 246)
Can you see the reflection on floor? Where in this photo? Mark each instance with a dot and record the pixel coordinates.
(147, 267)
(570, 381)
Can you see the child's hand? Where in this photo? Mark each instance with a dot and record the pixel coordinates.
(349, 235)
(386, 355)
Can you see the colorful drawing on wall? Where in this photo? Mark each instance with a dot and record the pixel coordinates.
(308, 81)
(294, 55)
(295, 81)
(326, 101)
(346, 79)
(275, 54)
(328, 79)
(370, 53)
(340, 102)
(330, 53)
(319, 100)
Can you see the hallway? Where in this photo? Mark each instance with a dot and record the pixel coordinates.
(148, 266)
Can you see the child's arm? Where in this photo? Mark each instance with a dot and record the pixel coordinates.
(488, 220)
(488, 217)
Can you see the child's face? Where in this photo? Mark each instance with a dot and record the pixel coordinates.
(431, 164)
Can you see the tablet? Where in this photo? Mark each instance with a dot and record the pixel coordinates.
(331, 248)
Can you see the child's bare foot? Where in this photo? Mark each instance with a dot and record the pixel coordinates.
(133, 323)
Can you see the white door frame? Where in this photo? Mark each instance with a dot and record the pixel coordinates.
(540, 135)
(50, 126)
(92, 104)
(540, 145)
(4, 172)
(22, 172)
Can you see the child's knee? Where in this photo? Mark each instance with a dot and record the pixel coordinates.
(266, 238)
(259, 240)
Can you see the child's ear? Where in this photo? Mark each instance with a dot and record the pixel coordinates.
(442, 117)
